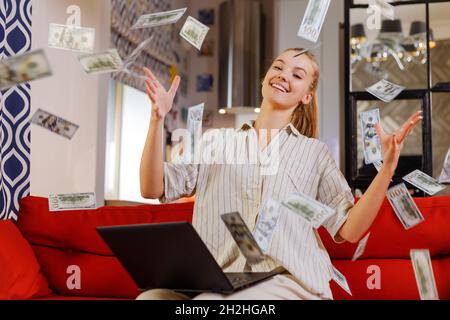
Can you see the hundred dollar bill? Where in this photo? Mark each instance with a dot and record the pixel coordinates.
(159, 19)
(243, 237)
(371, 141)
(24, 68)
(194, 32)
(424, 182)
(340, 279)
(313, 19)
(385, 90)
(423, 271)
(445, 174)
(76, 201)
(194, 126)
(386, 9)
(267, 222)
(308, 208)
(361, 247)
(71, 38)
(103, 62)
(404, 206)
(54, 124)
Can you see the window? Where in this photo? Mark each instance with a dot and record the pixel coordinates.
(129, 115)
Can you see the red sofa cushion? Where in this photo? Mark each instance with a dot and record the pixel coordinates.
(397, 279)
(20, 275)
(75, 230)
(71, 238)
(62, 239)
(100, 276)
(388, 238)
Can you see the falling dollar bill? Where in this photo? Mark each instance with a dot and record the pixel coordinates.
(194, 32)
(371, 141)
(445, 174)
(308, 208)
(71, 38)
(194, 126)
(385, 90)
(385, 9)
(340, 279)
(75, 201)
(54, 124)
(24, 68)
(424, 182)
(313, 19)
(103, 62)
(243, 237)
(404, 206)
(423, 271)
(159, 19)
(267, 221)
(361, 247)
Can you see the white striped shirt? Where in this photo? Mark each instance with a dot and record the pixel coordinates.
(305, 166)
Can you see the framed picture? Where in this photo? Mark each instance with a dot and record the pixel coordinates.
(205, 82)
(206, 16)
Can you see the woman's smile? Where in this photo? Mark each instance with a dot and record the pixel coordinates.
(279, 87)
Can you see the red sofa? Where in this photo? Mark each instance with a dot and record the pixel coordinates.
(36, 253)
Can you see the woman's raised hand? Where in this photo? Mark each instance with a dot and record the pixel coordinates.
(162, 100)
(392, 144)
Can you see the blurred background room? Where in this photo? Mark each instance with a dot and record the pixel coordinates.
(113, 111)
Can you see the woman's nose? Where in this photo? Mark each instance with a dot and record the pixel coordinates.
(282, 77)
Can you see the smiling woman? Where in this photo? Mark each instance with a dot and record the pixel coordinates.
(287, 76)
(306, 166)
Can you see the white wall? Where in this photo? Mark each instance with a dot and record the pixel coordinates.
(57, 164)
(288, 17)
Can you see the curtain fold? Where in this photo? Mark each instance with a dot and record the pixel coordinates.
(15, 136)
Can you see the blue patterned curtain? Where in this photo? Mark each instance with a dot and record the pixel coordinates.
(15, 38)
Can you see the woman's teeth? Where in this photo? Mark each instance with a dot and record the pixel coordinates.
(276, 86)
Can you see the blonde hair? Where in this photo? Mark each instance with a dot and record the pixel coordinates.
(305, 118)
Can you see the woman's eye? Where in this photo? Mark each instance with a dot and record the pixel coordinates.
(297, 76)
(277, 68)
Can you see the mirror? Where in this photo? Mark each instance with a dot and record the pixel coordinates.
(395, 50)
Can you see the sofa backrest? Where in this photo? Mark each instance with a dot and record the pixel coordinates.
(64, 239)
(67, 242)
(389, 239)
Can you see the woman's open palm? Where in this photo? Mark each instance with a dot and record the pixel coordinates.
(162, 100)
(392, 144)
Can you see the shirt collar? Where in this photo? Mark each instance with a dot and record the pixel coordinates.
(289, 127)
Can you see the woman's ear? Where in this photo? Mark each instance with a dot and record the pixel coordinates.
(307, 99)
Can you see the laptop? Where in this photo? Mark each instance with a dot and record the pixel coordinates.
(173, 256)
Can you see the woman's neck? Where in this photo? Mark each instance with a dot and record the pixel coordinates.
(272, 118)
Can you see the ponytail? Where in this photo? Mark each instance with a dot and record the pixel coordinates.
(305, 118)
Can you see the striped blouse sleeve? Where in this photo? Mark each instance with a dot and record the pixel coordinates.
(335, 192)
(180, 180)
